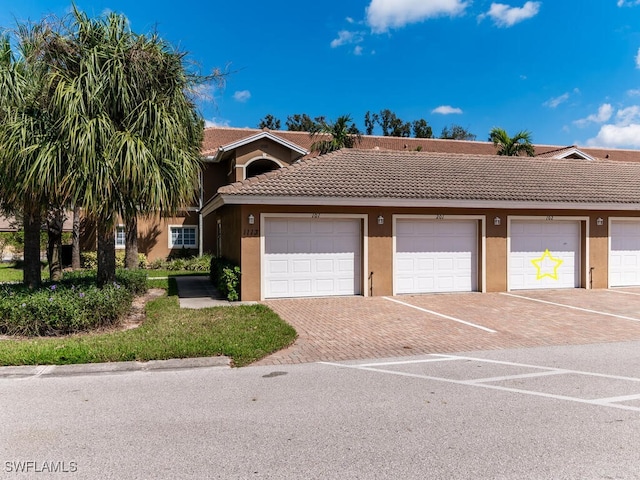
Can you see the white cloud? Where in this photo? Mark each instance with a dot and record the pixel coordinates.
(446, 110)
(346, 37)
(242, 96)
(350, 20)
(385, 14)
(506, 16)
(634, 92)
(637, 59)
(627, 3)
(623, 133)
(216, 122)
(627, 116)
(627, 136)
(357, 50)
(554, 102)
(604, 114)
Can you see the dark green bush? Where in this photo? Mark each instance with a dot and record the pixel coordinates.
(89, 260)
(225, 275)
(192, 264)
(75, 304)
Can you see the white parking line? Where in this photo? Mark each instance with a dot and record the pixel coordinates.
(441, 315)
(622, 291)
(571, 307)
(612, 402)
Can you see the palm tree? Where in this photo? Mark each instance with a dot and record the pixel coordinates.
(340, 133)
(31, 157)
(132, 130)
(512, 146)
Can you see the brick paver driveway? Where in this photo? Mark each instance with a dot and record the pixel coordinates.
(344, 328)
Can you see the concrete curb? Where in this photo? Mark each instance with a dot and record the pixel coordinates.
(112, 367)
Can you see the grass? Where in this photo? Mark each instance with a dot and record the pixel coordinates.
(12, 272)
(244, 333)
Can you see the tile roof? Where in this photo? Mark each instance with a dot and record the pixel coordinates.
(215, 137)
(366, 174)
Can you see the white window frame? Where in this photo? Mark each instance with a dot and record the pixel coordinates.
(182, 227)
(120, 228)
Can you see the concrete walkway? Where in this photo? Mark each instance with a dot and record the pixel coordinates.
(199, 292)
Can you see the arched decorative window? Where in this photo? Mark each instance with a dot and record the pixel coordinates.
(260, 166)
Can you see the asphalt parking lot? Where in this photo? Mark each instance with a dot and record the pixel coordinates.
(349, 328)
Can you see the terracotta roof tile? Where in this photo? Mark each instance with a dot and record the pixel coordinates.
(215, 137)
(357, 173)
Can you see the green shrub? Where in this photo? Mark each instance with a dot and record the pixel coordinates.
(225, 275)
(192, 264)
(89, 260)
(75, 304)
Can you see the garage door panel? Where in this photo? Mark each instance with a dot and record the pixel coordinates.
(435, 256)
(624, 254)
(544, 254)
(312, 257)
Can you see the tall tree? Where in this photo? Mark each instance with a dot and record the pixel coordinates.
(125, 111)
(302, 122)
(370, 121)
(421, 129)
(517, 145)
(32, 157)
(456, 132)
(270, 122)
(330, 136)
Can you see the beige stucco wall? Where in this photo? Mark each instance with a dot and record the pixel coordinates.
(153, 234)
(380, 244)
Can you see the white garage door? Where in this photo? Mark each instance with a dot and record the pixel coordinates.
(624, 256)
(312, 257)
(436, 256)
(544, 254)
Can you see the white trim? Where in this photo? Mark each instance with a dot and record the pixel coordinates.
(169, 236)
(124, 245)
(482, 231)
(239, 199)
(264, 156)
(584, 235)
(364, 237)
(253, 138)
(609, 222)
(570, 151)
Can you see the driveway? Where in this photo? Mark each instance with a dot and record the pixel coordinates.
(350, 328)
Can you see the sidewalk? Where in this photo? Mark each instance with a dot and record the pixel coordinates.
(199, 292)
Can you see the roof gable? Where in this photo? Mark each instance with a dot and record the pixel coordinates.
(262, 135)
(572, 152)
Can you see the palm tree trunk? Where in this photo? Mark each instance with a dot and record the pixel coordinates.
(55, 223)
(131, 242)
(32, 272)
(75, 239)
(106, 254)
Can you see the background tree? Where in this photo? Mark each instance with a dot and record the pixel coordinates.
(341, 134)
(370, 122)
(421, 129)
(302, 122)
(456, 132)
(519, 144)
(270, 122)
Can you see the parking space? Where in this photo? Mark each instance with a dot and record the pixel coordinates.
(346, 328)
(569, 385)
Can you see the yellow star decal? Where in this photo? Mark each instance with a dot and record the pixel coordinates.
(547, 264)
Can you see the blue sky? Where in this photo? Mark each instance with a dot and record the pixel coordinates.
(568, 71)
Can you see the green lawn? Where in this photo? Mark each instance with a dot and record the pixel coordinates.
(244, 333)
(12, 272)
